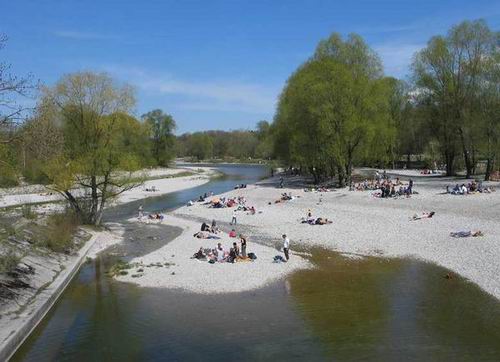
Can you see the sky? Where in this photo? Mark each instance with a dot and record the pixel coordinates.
(214, 64)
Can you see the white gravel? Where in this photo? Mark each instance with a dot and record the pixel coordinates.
(364, 225)
(202, 277)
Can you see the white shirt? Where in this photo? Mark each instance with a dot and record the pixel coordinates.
(234, 213)
(220, 254)
(286, 243)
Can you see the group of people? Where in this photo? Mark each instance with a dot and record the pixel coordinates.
(154, 216)
(309, 219)
(470, 188)
(387, 187)
(220, 255)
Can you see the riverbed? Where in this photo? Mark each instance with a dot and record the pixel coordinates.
(347, 308)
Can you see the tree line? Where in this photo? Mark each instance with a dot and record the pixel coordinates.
(338, 110)
(240, 145)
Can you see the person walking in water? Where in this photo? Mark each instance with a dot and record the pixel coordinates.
(141, 212)
(286, 246)
(233, 219)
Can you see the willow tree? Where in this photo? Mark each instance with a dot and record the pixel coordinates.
(94, 165)
(331, 107)
(449, 73)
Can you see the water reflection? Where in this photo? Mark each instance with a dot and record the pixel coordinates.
(380, 309)
(371, 309)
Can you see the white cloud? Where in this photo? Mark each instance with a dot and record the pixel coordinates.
(203, 95)
(397, 57)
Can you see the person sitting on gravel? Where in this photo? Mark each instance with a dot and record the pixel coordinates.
(205, 227)
(466, 234)
(425, 215)
(236, 249)
(232, 233)
(220, 253)
(200, 254)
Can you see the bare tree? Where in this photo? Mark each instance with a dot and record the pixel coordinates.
(12, 89)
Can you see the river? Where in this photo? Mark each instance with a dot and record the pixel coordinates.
(369, 309)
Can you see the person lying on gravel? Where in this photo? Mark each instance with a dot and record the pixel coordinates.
(466, 234)
(205, 235)
(425, 215)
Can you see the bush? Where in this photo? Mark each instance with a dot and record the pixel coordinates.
(8, 179)
(59, 233)
(8, 261)
(35, 175)
(28, 213)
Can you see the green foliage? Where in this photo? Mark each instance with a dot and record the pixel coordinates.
(99, 141)
(58, 235)
(160, 128)
(8, 261)
(452, 74)
(200, 146)
(8, 174)
(332, 108)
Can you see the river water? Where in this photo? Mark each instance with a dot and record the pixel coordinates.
(345, 309)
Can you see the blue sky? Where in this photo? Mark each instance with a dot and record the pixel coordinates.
(214, 64)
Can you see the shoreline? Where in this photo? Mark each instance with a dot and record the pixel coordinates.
(165, 181)
(18, 325)
(369, 226)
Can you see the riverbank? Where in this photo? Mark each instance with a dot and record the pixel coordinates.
(50, 272)
(163, 180)
(366, 225)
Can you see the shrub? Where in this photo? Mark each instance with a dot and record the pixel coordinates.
(28, 213)
(8, 261)
(59, 233)
(8, 179)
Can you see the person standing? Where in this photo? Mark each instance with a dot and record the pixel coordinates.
(410, 187)
(243, 242)
(233, 220)
(141, 212)
(286, 246)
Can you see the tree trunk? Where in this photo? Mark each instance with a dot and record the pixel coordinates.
(450, 159)
(341, 176)
(465, 151)
(408, 160)
(489, 168)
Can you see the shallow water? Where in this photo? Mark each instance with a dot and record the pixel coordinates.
(369, 309)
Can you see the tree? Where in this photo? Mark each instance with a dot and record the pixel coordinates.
(449, 72)
(161, 127)
(331, 107)
(12, 112)
(200, 146)
(90, 169)
(12, 87)
(489, 111)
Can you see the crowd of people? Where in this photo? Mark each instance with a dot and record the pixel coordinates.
(471, 188)
(388, 187)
